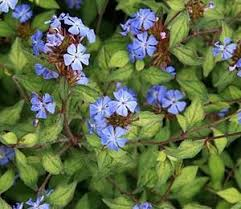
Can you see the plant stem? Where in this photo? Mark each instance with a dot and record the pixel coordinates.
(20, 89)
(101, 13)
(128, 194)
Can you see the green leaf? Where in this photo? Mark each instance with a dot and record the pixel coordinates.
(9, 138)
(101, 4)
(236, 206)
(187, 55)
(7, 180)
(146, 117)
(10, 115)
(51, 132)
(155, 76)
(121, 74)
(83, 203)
(40, 19)
(150, 130)
(17, 56)
(187, 149)
(29, 140)
(119, 59)
(231, 195)
(179, 29)
(216, 169)
(27, 173)
(176, 5)
(187, 175)
(52, 163)
(49, 4)
(226, 32)
(209, 62)
(140, 64)
(118, 203)
(86, 93)
(5, 30)
(194, 113)
(31, 83)
(62, 195)
(220, 142)
(4, 205)
(188, 80)
(195, 206)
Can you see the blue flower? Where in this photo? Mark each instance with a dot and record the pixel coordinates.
(124, 102)
(76, 55)
(173, 103)
(53, 40)
(42, 105)
(239, 117)
(113, 137)
(156, 94)
(18, 206)
(81, 78)
(38, 204)
(223, 112)
(236, 66)
(144, 205)
(55, 22)
(22, 12)
(37, 42)
(142, 45)
(78, 28)
(100, 108)
(6, 4)
(211, 5)
(144, 18)
(6, 155)
(225, 50)
(74, 4)
(47, 74)
(171, 70)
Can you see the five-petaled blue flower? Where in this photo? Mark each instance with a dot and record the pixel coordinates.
(171, 70)
(78, 28)
(76, 56)
(113, 137)
(42, 105)
(100, 108)
(145, 205)
(226, 50)
(47, 74)
(6, 4)
(172, 101)
(124, 102)
(74, 4)
(22, 12)
(155, 95)
(6, 155)
(38, 204)
(144, 19)
(37, 42)
(81, 78)
(142, 45)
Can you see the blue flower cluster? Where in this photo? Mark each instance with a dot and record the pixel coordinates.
(145, 205)
(6, 155)
(110, 118)
(138, 25)
(37, 204)
(171, 100)
(63, 44)
(227, 51)
(42, 105)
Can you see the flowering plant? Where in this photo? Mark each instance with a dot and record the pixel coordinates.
(120, 104)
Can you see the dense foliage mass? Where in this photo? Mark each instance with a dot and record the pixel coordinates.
(120, 104)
